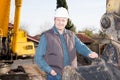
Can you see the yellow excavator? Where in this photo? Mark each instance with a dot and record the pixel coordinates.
(13, 42)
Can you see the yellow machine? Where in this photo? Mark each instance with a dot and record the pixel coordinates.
(13, 42)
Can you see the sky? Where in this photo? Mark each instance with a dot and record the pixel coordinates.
(38, 15)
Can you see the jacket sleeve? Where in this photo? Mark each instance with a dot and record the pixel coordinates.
(81, 48)
(40, 53)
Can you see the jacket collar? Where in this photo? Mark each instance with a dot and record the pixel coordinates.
(56, 31)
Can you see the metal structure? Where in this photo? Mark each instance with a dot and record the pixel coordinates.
(13, 41)
(110, 21)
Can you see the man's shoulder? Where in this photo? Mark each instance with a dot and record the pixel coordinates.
(69, 32)
(47, 31)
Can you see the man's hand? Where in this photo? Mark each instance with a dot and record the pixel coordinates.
(53, 73)
(93, 55)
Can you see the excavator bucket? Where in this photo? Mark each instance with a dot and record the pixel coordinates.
(103, 68)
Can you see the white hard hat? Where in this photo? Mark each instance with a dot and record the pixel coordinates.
(61, 12)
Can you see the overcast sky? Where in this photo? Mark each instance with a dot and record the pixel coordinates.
(38, 15)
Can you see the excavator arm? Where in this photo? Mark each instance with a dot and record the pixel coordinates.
(110, 21)
(4, 17)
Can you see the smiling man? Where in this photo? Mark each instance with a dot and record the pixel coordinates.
(57, 48)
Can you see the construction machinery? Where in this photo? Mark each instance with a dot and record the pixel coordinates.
(15, 49)
(110, 23)
(13, 42)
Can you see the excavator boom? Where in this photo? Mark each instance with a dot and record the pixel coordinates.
(4, 17)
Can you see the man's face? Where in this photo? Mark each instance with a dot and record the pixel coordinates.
(60, 22)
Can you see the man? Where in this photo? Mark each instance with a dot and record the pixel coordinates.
(57, 47)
